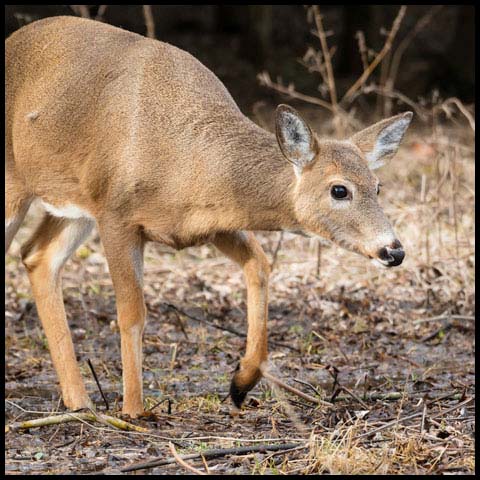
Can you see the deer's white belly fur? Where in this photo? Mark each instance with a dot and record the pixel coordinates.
(67, 211)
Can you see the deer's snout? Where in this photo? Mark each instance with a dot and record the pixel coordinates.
(392, 255)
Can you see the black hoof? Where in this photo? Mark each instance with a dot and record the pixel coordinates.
(237, 395)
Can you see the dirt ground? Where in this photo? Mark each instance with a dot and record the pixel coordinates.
(392, 350)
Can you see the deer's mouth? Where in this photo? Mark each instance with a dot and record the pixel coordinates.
(389, 256)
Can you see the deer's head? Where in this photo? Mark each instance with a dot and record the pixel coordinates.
(336, 191)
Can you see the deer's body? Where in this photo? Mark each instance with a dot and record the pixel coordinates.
(168, 145)
(106, 126)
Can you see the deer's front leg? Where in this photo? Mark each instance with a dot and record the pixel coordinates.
(244, 249)
(124, 252)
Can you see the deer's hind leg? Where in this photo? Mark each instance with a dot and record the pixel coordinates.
(44, 255)
(244, 249)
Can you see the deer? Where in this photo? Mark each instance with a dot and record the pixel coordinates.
(111, 129)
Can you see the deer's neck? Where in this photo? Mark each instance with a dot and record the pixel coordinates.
(257, 180)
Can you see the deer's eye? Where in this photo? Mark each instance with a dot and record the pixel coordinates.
(339, 192)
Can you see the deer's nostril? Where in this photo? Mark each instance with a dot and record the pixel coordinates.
(391, 256)
(396, 245)
(384, 255)
(398, 255)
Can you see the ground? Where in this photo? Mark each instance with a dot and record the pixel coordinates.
(391, 350)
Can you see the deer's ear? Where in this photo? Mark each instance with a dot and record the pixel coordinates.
(297, 141)
(382, 139)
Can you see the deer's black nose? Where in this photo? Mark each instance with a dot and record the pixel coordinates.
(392, 255)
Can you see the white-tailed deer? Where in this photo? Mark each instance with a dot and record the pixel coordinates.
(105, 126)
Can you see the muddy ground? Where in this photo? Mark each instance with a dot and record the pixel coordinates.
(392, 350)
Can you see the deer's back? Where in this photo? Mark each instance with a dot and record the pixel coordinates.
(87, 103)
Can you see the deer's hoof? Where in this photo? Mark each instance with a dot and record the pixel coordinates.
(243, 381)
(236, 394)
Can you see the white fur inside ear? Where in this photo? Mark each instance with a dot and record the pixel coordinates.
(297, 139)
(387, 142)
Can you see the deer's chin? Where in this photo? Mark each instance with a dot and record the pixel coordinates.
(379, 263)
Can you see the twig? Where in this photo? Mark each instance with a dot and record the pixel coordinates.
(275, 253)
(205, 464)
(451, 409)
(444, 328)
(389, 424)
(214, 453)
(101, 12)
(357, 398)
(280, 383)
(284, 452)
(424, 417)
(226, 329)
(98, 383)
(385, 49)
(181, 325)
(169, 408)
(149, 22)
(206, 322)
(182, 462)
(327, 60)
(266, 81)
(81, 10)
(396, 57)
(462, 109)
(309, 385)
(362, 48)
(73, 417)
(413, 415)
(444, 317)
(421, 112)
(319, 257)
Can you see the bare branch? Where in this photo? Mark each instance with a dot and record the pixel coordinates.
(362, 47)
(101, 12)
(396, 57)
(81, 10)
(149, 22)
(385, 49)
(326, 55)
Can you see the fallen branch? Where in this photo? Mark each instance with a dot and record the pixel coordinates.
(182, 462)
(444, 317)
(293, 390)
(214, 453)
(77, 417)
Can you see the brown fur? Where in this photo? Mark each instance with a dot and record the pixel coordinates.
(147, 140)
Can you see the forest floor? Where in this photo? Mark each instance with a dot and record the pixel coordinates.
(391, 350)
